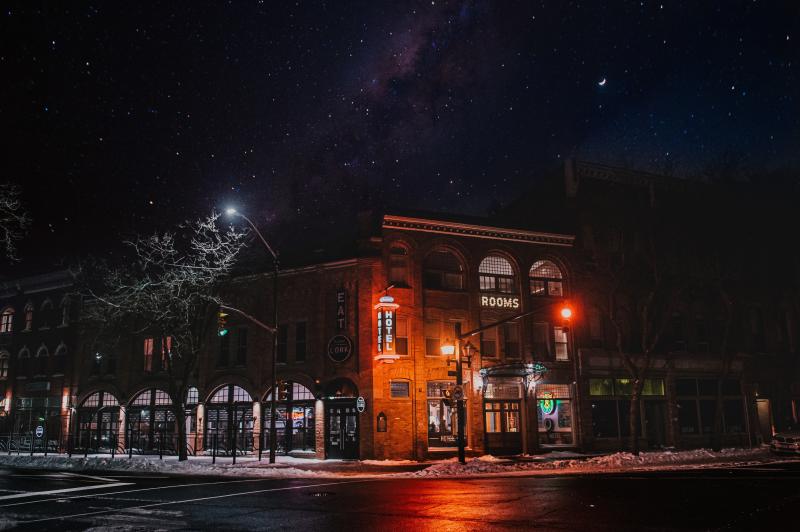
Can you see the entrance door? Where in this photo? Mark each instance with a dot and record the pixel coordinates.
(341, 429)
(503, 430)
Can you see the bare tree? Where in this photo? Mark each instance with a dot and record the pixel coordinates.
(14, 219)
(637, 284)
(170, 289)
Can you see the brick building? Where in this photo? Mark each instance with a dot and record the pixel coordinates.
(536, 382)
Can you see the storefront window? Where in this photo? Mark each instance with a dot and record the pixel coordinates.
(442, 420)
(554, 408)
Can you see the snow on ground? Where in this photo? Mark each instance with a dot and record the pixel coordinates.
(7, 524)
(291, 467)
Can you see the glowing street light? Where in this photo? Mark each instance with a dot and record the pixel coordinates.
(566, 313)
(448, 349)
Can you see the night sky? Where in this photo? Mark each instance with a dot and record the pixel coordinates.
(121, 117)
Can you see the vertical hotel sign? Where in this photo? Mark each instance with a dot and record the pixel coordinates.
(386, 310)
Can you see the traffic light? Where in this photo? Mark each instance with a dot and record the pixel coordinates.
(222, 323)
(283, 391)
(566, 317)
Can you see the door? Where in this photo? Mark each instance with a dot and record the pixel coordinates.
(502, 426)
(341, 430)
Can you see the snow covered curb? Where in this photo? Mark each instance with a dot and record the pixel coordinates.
(482, 466)
(612, 463)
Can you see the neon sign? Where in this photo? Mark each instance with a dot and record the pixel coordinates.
(548, 404)
(386, 329)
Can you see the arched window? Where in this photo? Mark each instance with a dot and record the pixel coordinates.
(60, 357)
(47, 314)
(398, 265)
(29, 316)
(24, 352)
(42, 351)
(231, 393)
(496, 275)
(41, 356)
(7, 320)
(99, 400)
(4, 362)
(65, 311)
(442, 270)
(152, 396)
(546, 279)
(192, 396)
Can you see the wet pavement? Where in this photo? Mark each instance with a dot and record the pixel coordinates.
(747, 498)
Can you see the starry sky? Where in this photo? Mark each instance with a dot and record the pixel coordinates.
(127, 117)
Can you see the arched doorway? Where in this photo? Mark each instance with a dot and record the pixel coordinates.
(229, 420)
(341, 420)
(98, 422)
(151, 422)
(294, 420)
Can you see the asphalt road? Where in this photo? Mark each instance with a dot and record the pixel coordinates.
(751, 498)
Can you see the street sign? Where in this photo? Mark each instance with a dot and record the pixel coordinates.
(39, 431)
(458, 393)
(361, 404)
(340, 347)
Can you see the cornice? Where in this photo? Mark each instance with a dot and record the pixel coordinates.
(404, 223)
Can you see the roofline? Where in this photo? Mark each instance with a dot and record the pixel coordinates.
(405, 223)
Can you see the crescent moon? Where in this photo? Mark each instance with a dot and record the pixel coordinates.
(602, 83)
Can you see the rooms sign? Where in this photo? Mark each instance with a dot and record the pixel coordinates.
(499, 302)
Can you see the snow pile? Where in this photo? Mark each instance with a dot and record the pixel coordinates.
(389, 462)
(7, 524)
(609, 463)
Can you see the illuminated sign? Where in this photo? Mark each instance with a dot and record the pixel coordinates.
(386, 309)
(340, 347)
(341, 309)
(499, 302)
(548, 404)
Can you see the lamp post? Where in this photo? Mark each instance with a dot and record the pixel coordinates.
(455, 349)
(275, 265)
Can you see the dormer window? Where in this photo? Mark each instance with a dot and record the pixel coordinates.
(546, 279)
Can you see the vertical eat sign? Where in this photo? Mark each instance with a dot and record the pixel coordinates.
(341, 309)
(386, 324)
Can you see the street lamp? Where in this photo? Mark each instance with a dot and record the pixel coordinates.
(450, 349)
(273, 398)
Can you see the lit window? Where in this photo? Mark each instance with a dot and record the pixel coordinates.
(301, 393)
(240, 395)
(148, 355)
(7, 321)
(4, 362)
(162, 398)
(192, 396)
(496, 275)
(560, 342)
(546, 279)
(166, 351)
(442, 271)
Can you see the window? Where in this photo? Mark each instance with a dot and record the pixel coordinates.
(554, 411)
(432, 341)
(65, 312)
(300, 341)
(401, 337)
(489, 341)
(283, 336)
(241, 346)
(677, 332)
(148, 355)
(560, 343)
(501, 416)
(442, 415)
(47, 314)
(398, 266)
(42, 354)
(624, 387)
(29, 316)
(4, 363)
(60, 358)
(192, 396)
(701, 334)
(546, 279)
(224, 351)
(301, 393)
(541, 340)
(496, 275)
(511, 344)
(166, 351)
(697, 406)
(442, 270)
(7, 321)
(399, 389)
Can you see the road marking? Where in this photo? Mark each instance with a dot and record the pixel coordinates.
(104, 479)
(65, 490)
(140, 489)
(198, 499)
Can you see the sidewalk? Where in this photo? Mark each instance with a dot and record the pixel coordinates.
(555, 463)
